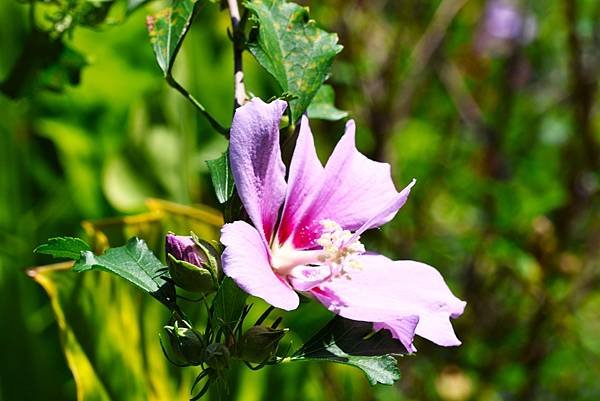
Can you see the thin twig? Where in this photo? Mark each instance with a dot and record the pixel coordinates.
(214, 123)
(421, 55)
(420, 60)
(238, 73)
(583, 86)
(456, 87)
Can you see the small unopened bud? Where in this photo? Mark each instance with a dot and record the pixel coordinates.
(192, 265)
(185, 343)
(259, 343)
(216, 356)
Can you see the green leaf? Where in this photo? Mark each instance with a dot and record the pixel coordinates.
(167, 30)
(135, 263)
(63, 247)
(292, 49)
(354, 343)
(229, 303)
(222, 179)
(379, 369)
(322, 106)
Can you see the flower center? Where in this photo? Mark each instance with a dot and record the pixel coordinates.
(339, 251)
(340, 248)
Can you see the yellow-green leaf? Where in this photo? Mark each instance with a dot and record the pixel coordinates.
(109, 332)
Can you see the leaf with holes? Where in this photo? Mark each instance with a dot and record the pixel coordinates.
(167, 30)
(288, 44)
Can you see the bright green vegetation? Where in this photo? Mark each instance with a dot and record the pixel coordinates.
(503, 140)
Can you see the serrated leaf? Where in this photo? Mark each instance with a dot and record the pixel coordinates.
(354, 343)
(135, 263)
(379, 369)
(323, 107)
(292, 49)
(167, 30)
(229, 303)
(222, 179)
(63, 247)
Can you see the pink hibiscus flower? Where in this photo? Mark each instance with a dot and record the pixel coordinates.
(313, 245)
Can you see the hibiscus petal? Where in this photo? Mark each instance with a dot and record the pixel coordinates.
(256, 164)
(306, 277)
(392, 208)
(383, 291)
(402, 329)
(246, 261)
(304, 178)
(354, 190)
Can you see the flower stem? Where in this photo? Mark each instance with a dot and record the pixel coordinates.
(240, 96)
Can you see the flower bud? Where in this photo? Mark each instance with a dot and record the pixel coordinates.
(259, 343)
(193, 265)
(216, 356)
(186, 343)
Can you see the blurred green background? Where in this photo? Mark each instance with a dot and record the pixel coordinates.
(491, 105)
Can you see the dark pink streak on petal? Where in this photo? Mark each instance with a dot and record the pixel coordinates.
(246, 261)
(304, 179)
(256, 164)
(354, 190)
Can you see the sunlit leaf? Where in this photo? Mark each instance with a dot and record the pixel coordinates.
(354, 343)
(167, 30)
(222, 179)
(290, 47)
(323, 107)
(63, 247)
(135, 263)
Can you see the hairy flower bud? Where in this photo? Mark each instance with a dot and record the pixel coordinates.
(216, 356)
(259, 343)
(185, 343)
(193, 264)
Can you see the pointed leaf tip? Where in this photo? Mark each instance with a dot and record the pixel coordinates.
(63, 247)
(135, 263)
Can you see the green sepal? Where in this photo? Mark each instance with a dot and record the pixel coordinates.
(259, 343)
(191, 277)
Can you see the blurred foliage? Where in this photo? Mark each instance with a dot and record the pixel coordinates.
(499, 126)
